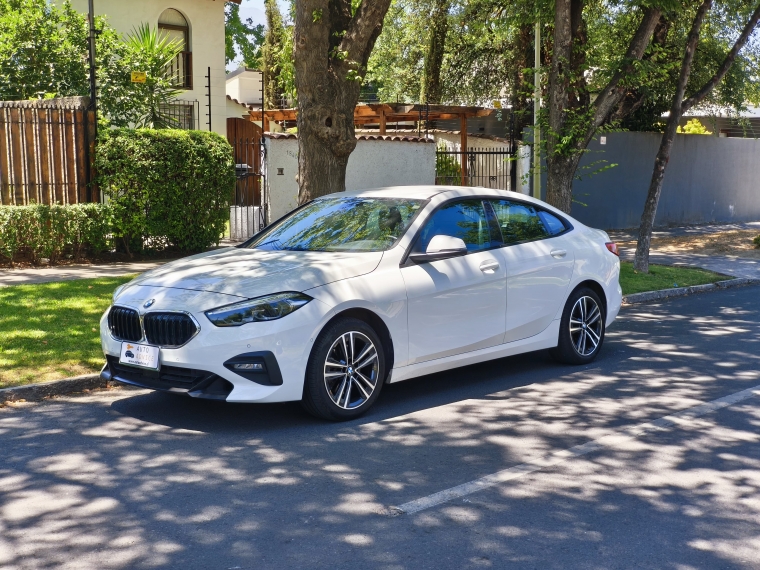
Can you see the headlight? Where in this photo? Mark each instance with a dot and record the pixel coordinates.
(118, 290)
(267, 308)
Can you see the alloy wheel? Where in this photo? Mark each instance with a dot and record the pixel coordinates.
(351, 370)
(586, 326)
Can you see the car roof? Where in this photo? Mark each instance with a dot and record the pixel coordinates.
(427, 192)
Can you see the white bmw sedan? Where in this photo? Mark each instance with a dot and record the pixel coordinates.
(355, 290)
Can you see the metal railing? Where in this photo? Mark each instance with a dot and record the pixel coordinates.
(182, 114)
(486, 167)
(248, 209)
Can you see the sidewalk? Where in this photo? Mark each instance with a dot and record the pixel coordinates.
(724, 264)
(36, 275)
(71, 272)
(633, 234)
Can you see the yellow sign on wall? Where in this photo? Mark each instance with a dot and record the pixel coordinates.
(139, 77)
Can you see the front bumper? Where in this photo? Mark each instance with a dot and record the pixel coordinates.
(198, 368)
(195, 383)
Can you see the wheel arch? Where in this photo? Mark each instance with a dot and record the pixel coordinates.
(377, 323)
(597, 288)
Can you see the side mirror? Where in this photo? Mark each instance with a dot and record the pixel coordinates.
(441, 247)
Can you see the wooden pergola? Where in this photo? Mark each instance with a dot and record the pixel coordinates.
(383, 113)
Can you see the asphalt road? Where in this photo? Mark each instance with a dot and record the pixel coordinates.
(135, 479)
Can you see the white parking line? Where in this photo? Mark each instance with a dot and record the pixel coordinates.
(557, 457)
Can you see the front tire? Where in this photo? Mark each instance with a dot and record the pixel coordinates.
(581, 330)
(345, 372)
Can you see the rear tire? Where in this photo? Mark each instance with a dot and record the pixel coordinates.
(581, 330)
(346, 371)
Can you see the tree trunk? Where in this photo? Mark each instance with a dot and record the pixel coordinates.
(563, 78)
(431, 75)
(331, 51)
(519, 92)
(678, 108)
(560, 173)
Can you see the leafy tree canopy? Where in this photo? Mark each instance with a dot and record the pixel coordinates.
(242, 38)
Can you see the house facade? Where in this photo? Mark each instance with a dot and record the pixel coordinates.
(199, 26)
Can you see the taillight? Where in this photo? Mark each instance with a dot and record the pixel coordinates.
(612, 247)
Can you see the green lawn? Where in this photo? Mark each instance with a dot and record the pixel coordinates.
(50, 331)
(664, 277)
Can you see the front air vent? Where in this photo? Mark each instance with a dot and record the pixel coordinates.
(124, 324)
(169, 329)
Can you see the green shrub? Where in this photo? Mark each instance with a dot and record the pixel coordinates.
(166, 187)
(447, 168)
(46, 231)
(756, 241)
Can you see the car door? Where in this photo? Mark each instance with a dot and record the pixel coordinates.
(458, 304)
(539, 266)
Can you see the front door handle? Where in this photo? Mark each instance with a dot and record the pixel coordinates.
(558, 253)
(489, 266)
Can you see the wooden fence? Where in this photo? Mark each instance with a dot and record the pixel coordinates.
(46, 149)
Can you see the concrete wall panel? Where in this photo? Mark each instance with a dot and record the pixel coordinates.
(709, 179)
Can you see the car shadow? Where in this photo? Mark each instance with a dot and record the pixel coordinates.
(476, 381)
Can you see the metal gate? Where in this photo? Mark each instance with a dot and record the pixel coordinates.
(485, 167)
(248, 211)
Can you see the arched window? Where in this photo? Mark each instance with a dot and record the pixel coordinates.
(172, 24)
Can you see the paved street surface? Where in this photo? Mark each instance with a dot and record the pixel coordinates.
(134, 479)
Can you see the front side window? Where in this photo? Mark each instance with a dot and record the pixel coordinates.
(341, 224)
(465, 220)
(518, 222)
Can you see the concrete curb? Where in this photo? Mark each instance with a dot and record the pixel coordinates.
(684, 291)
(43, 390)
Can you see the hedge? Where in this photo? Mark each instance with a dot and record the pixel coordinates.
(46, 231)
(166, 187)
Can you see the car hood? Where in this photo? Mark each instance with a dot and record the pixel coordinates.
(251, 273)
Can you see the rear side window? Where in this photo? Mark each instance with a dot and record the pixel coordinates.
(519, 222)
(551, 222)
(465, 219)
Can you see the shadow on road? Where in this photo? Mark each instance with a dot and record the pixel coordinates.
(134, 479)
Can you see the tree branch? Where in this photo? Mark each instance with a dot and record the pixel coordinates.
(611, 95)
(363, 30)
(707, 87)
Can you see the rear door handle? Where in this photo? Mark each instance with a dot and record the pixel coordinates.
(558, 253)
(489, 266)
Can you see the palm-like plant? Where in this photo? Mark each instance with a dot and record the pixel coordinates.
(152, 52)
(142, 105)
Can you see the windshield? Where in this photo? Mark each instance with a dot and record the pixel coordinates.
(341, 224)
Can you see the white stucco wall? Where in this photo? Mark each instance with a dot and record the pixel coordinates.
(245, 87)
(452, 141)
(206, 22)
(373, 164)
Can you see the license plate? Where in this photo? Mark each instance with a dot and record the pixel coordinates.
(142, 355)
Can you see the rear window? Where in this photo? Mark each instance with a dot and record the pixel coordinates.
(551, 222)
